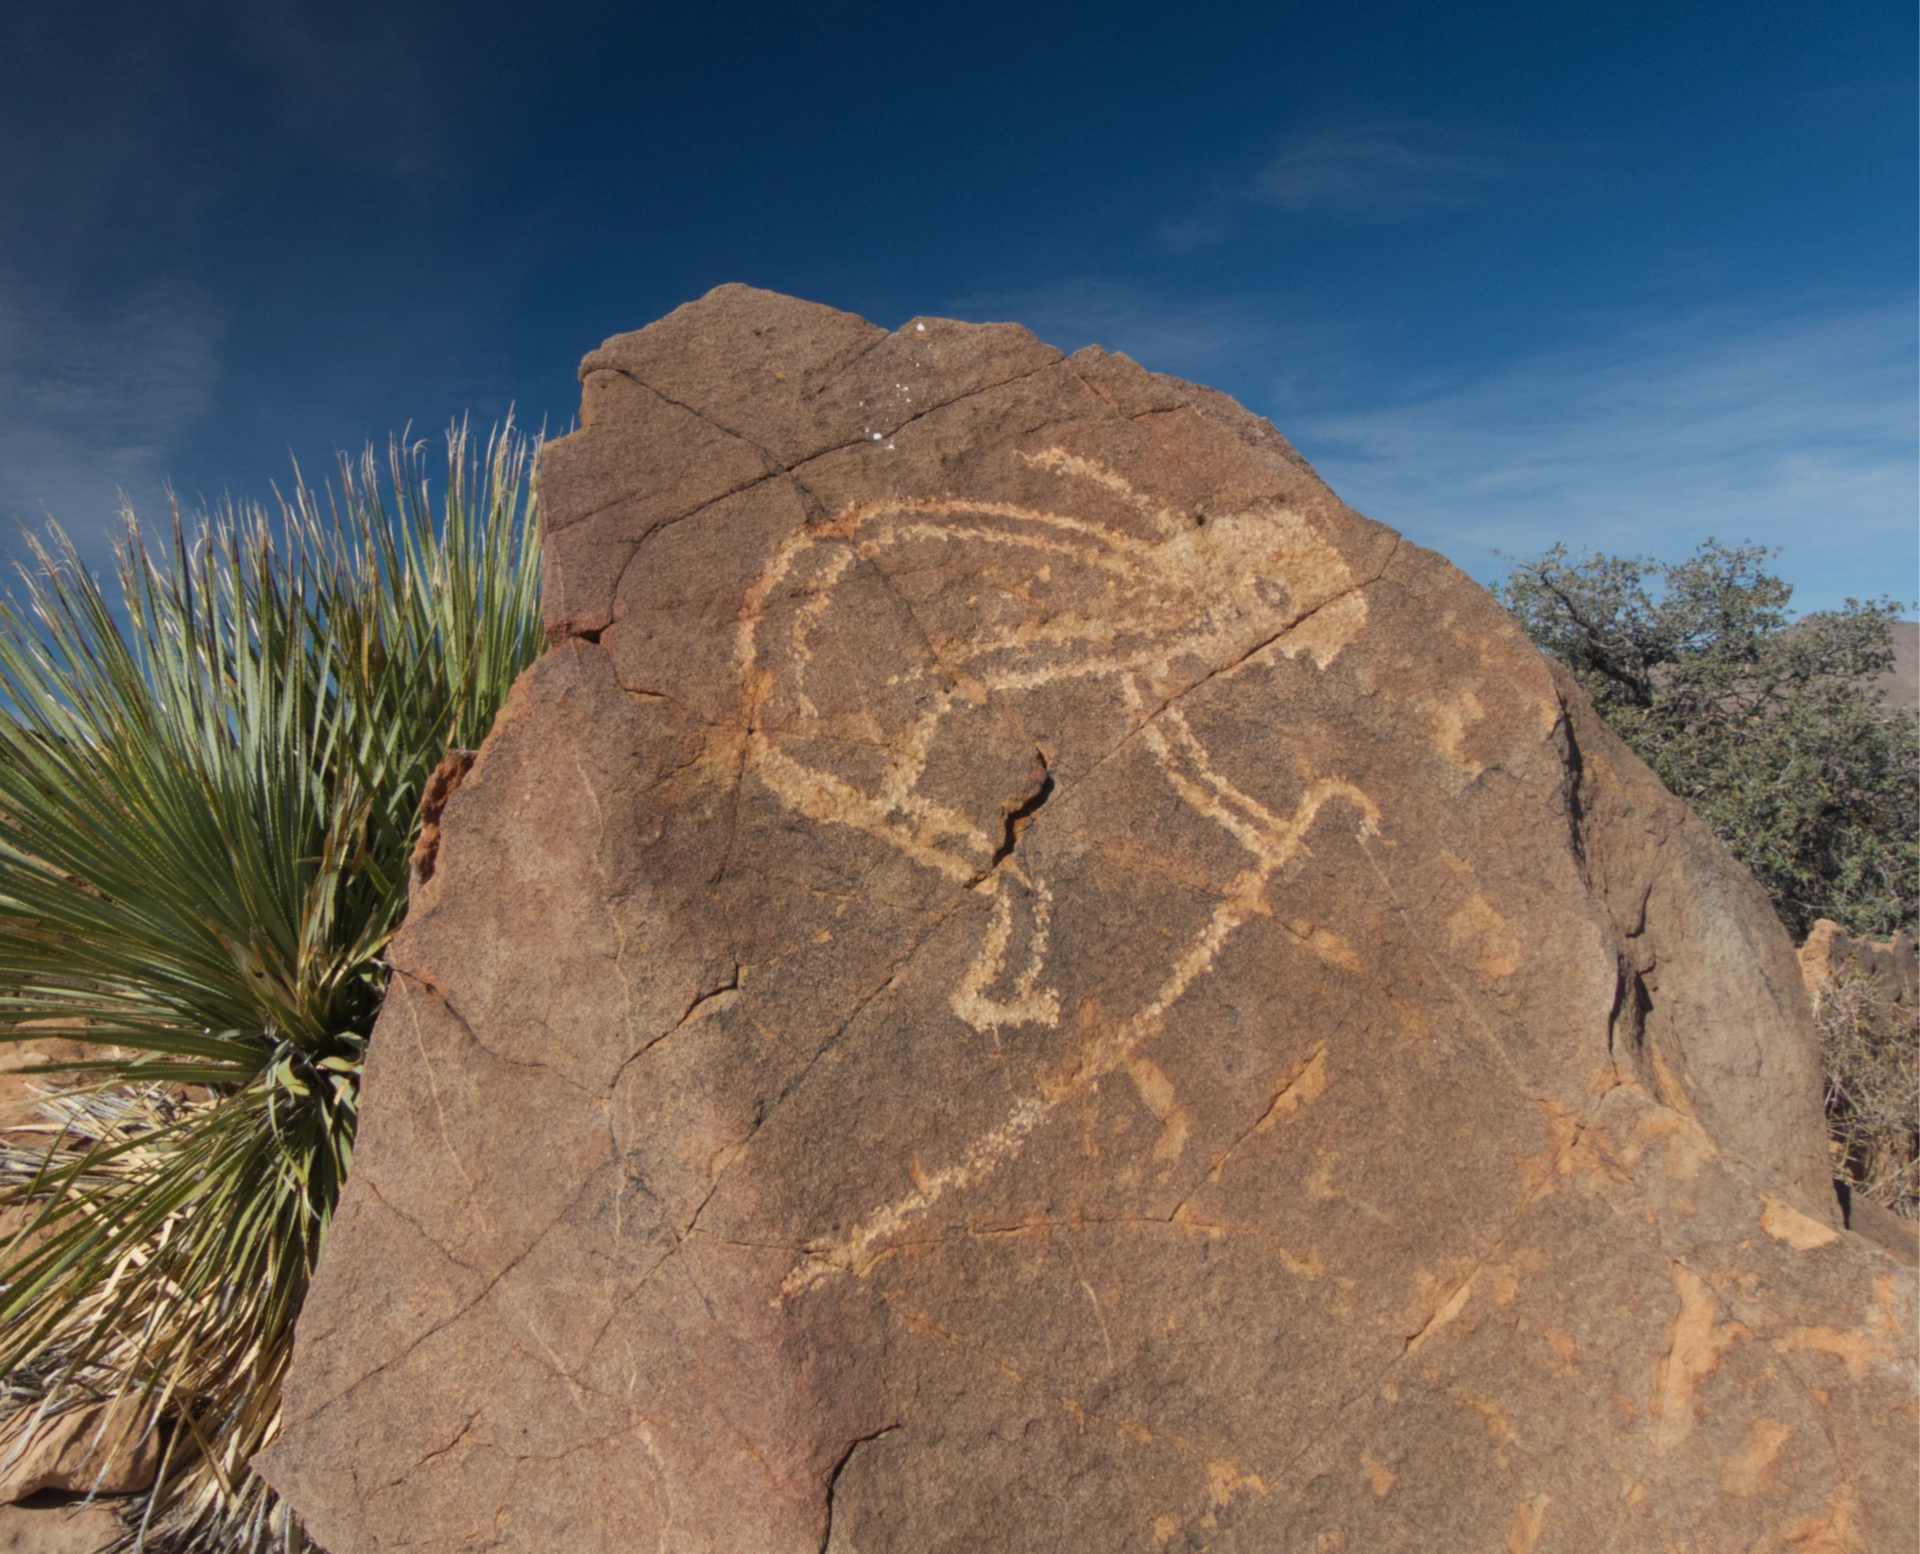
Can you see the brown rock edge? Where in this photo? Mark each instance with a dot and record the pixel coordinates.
(1023, 978)
(1828, 950)
(107, 1448)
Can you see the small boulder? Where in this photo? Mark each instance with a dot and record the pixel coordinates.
(1894, 963)
(106, 1448)
(54, 1528)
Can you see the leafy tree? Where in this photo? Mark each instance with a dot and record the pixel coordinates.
(207, 801)
(1770, 729)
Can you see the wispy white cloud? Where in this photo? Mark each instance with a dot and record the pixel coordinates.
(93, 400)
(1386, 170)
(1791, 429)
(1375, 172)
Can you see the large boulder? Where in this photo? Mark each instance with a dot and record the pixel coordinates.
(1021, 978)
(1899, 685)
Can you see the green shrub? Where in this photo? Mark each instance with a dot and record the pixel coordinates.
(1769, 729)
(207, 801)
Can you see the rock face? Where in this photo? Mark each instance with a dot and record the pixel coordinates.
(1021, 978)
(1900, 685)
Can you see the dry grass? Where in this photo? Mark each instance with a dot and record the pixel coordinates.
(1871, 1048)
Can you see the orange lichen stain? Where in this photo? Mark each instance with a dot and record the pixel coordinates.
(1750, 1469)
(1380, 1477)
(1156, 1091)
(1306, 1082)
(1784, 1222)
(1089, 1121)
(1412, 1019)
(1694, 1346)
(1571, 1152)
(1686, 1146)
(1636, 1493)
(1224, 1481)
(1306, 1266)
(1832, 1532)
(1137, 1430)
(1671, 1092)
(1562, 1344)
(1325, 632)
(1448, 721)
(1481, 929)
(1320, 1185)
(1820, 1395)
(1079, 1415)
(923, 1326)
(1536, 1175)
(1500, 1281)
(1326, 944)
(1188, 1220)
(1857, 1349)
(1883, 1336)
(1455, 1304)
(1524, 1527)
(1164, 1527)
(1499, 1429)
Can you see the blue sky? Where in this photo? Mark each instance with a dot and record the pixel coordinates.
(1617, 275)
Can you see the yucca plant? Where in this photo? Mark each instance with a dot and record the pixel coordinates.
(207, 800)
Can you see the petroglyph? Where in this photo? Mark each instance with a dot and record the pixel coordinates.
(1243, 898)
(1187, 602)
(1029, 1005)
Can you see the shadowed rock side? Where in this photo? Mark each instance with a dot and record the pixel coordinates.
(1021, 978)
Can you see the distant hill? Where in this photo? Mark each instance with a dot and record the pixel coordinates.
(1900, 685)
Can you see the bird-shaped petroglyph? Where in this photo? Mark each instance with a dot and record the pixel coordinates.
(1142, 616)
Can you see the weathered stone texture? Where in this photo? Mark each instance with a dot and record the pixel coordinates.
(1023, 978)
(1894, 964)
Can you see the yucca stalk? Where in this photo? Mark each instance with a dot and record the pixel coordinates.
(207, 801)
